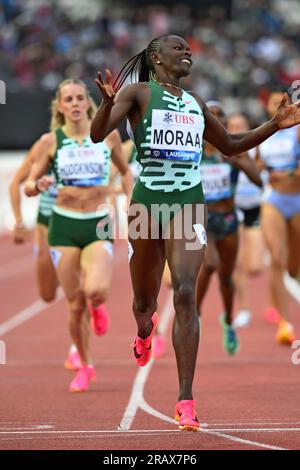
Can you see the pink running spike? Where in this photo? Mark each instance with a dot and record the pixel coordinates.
(99, 319)
(73, 361)
(185, 413)
(142, 348)
(271, 315)
(82, 380)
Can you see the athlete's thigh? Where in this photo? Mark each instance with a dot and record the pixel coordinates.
(66, 260)
(41, 240)
(294, 245)
(146, 253)
(254, 249)
(96, 263)
(211, 259)
(274, 230)
(46, 268)
(228, 250)
(185, 250)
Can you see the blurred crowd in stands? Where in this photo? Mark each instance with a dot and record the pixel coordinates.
(236, 59)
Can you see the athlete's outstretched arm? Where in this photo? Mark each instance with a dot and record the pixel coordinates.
(114, 107)
(37, 180)
(233, 144)
(243, 162)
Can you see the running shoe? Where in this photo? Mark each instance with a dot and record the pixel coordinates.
(185, 413)
(73, 361)
(242, 319)
(99, 319)
(142, 348)
(82, 380)
(159, 346)
(230, 339)
(271, 315)
(285, 333)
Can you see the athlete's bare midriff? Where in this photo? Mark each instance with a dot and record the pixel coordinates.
(289, 185)
(224, 206)
(82, 199)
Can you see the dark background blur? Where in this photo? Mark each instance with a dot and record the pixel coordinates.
(241, 50)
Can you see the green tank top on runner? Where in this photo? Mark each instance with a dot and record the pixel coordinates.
(80, 165)
(169, 141)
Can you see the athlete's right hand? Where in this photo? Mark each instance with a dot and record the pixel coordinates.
(20, 233)
(106, 86)
(44, 183)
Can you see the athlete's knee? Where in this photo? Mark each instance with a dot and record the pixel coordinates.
(209, 267)
(278, 262)
(97, 296)
(184, 294)
(255, 271)
(47, 296)
(77, 308)
(143, 305)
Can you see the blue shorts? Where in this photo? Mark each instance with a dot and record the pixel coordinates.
(287, 204)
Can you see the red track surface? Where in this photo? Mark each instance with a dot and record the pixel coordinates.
(253, 396)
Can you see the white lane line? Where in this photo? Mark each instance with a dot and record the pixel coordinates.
(81, 437)
(218, 433)
(136, 397)
(253, 423)
(27, 313)
(15, 266)
(148, 409)
(292, 286)
(39, 305)
(151, 411)
(36, 426)
(238, 430)
(241, 441)
(88, 431)
(137, 401)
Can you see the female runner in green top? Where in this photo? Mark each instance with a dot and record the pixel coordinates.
(168, 126)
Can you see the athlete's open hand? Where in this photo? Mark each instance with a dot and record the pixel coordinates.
(287, 115)
(106, 86)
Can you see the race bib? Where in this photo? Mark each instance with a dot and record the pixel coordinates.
(216, 181)
(176, 136)
(278, 154)
(81, 166)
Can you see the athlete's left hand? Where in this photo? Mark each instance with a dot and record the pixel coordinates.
(287, 115)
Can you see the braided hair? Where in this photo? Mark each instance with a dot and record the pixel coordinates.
(140, 65)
